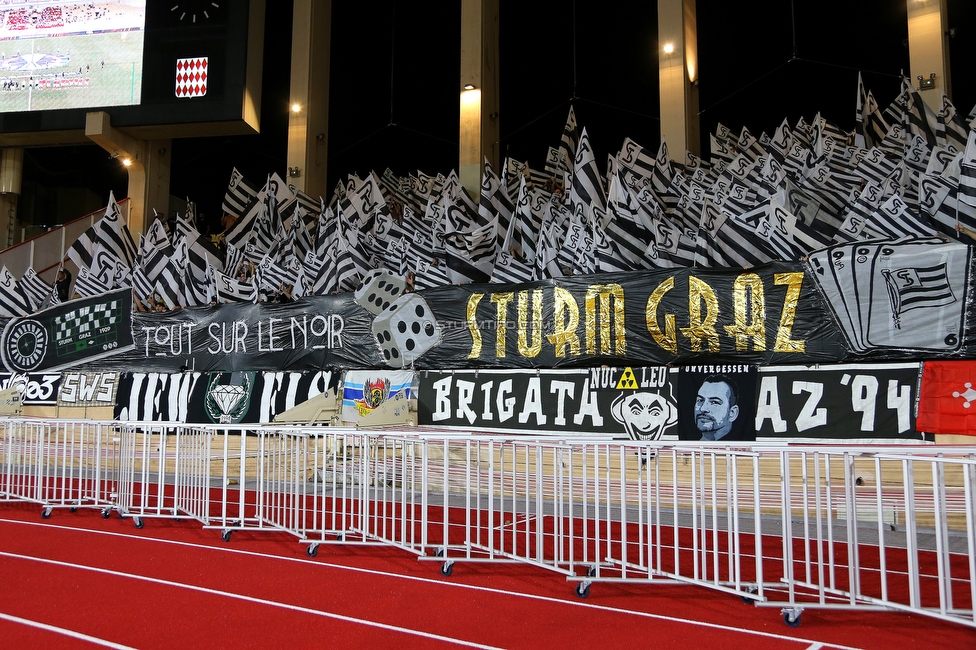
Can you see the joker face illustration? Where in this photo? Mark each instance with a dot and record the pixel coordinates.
(645, 416)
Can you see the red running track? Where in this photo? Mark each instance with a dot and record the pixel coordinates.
(77, 580)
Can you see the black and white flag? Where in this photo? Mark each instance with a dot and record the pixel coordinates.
(12, 301)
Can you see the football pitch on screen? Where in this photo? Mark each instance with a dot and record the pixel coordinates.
(85, 70)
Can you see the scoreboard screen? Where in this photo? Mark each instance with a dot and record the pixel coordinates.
(56, 55)
(160, 68)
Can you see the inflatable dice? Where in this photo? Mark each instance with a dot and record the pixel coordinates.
(406, 330)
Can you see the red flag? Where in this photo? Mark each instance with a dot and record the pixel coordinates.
(947, 402)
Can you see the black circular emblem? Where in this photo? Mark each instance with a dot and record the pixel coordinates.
(25, 345)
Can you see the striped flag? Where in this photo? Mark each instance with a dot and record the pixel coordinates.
(586, 193)
(562, 160)
(142, 287)
(327, 250)
(922, 120)
(171, 283)
(917, 288)
(233, 258)
(860, 114)
(363, 202)
(260, 216)
(733, 240)
(89, 284)
(547, 251)
(34, 288)
(200, 256)
(893, 143)
(870, 199)
(721, 153)
(294, 201)
(894, 220)
(154, 251)
(230, 289)
(495, 206)
(967, 181)
(529, 213)
(109, 269)
(111, 233)
(636, 159)
(628, 229)
(239, 196)
(470, 255)
(508, 269)
(431, 273)
(876, 166)
(938, 198)
(352, 263)
(671, 247)
(274, 276)
(12, 300)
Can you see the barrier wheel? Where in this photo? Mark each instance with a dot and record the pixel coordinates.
(340, 537)
(73, 509)
(106, 513)
(312, 550)
(583, 590)
(225, 535)
(138, 522)
(792, 619)
(447, 569)
(590, 571)
(747, 600)
(46, 513)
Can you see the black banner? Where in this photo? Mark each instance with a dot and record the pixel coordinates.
(848, 401)
(771, 314)
(240, 397)
(35, 389)
(78, 332)
(312, 334)
(726, 402)
(636, 403)
(775, 314)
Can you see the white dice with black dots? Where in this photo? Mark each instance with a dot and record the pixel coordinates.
(406, 330)
(379, 289)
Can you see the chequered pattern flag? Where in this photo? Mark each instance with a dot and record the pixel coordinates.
(191, 76)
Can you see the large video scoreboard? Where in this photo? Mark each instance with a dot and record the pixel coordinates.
(160, 68)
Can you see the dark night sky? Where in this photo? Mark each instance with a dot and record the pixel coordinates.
(395, 74)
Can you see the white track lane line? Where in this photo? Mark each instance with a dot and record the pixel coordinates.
(386, 574)
(65, 632)
(251, 599)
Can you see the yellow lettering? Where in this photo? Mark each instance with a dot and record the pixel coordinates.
(743, 330)
(784, 342)
(700, 329)
(668, 339)
(606, 293)
(565, 322)
(524, 322)
(501, 320)
(472, 316)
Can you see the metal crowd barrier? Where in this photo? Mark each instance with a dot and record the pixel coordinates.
(59, 464)
(164, 472)
(879, 529)
(794, 527)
